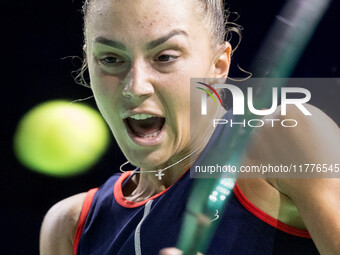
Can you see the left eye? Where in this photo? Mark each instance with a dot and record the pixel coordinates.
(166, 58)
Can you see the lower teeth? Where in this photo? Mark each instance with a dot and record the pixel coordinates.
(151, 135)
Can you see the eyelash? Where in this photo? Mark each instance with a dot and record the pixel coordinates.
(105, 61)
(119, 61)
(167, 55)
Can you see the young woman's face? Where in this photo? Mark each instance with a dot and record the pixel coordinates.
(141, 55)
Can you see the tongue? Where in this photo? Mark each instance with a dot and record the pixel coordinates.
(145, 127)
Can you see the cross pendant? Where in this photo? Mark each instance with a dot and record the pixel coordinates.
(159, 175)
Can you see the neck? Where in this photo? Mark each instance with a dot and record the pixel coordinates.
(171, 173)
(176, 167)
(149, 184)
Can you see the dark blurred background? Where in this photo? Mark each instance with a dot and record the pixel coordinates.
(36, 36)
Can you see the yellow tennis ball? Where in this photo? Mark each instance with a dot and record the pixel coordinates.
(61, 139)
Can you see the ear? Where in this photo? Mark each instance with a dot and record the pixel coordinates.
(222, 61)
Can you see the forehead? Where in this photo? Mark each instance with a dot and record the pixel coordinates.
(131, 19)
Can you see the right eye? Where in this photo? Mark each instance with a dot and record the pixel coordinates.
(112, 60)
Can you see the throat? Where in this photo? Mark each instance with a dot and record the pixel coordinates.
(143, 189)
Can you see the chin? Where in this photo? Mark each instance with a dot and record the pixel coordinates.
(149, 160)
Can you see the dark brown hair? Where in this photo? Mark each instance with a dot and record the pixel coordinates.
(214, 14)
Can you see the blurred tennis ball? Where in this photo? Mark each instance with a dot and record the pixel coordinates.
(61, 139)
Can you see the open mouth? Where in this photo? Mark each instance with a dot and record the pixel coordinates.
(145, 126)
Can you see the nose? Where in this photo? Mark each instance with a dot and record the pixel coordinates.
(137, 84)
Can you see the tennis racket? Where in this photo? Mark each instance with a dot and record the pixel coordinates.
(278, 56)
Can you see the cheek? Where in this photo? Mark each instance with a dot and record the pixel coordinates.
(176, 92)
(105, 89)
(104, 84)
(180, 110)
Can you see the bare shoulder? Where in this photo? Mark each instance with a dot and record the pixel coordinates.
(314, 141)
(314, 138)
(59, 225)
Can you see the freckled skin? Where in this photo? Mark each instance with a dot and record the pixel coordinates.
(165, 89)
(169, 85)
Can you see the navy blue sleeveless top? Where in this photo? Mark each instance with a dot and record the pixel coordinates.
(110, 224)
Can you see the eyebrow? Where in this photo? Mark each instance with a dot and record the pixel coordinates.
(110, 43)
(149, 46)
(163, 39)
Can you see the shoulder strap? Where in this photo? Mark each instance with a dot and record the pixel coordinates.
(82, 218)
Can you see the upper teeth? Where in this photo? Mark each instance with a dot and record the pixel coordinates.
(141, 116)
